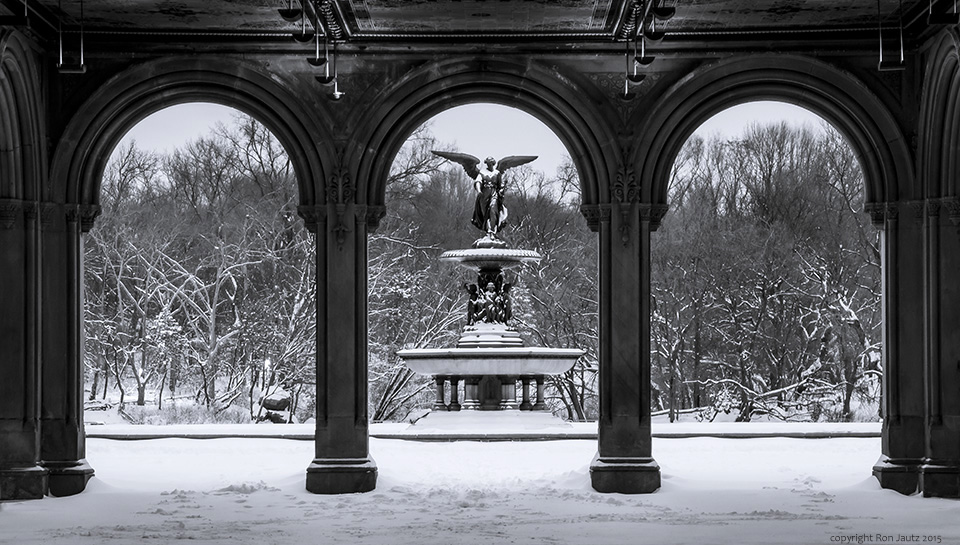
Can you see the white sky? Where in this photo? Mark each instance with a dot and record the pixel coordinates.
(477, 129)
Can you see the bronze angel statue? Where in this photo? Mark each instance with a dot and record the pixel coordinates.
(489, 212)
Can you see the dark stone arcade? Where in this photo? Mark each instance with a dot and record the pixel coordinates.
(342, 123)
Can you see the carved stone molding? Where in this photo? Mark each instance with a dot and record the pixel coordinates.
(49, 212)
(591, 212)
(952, 204)
(653, 213)
(933, 207)
(371, 216)
(340, 193)
(88, 215)
(876, 212)
(11, 213)
(312, 215)
(626, 192)
(625, 188)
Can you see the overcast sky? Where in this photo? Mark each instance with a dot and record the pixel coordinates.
(478, 129)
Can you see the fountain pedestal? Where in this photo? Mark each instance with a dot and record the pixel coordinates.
(490, 357)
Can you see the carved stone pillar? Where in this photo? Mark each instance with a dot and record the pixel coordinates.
(471, 393)
(540, 404)
(63, 443)
(440, 404)
(525, 404)
(454, 394)
(508, 392)
(940, 471)
(342, 462)
(624, 461)
(21, 475)
(902, 405)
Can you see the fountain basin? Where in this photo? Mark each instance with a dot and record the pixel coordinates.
(490, 258)
(490, 361)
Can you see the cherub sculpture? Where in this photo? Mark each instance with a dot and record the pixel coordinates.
(489, 212)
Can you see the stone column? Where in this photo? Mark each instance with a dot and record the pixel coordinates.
(940, 471)
(525, 404)
(540, 405)
(440, 404)
(624, 461)
(471, 393)
(454, 394)
(63, 443)
(903, 346)
(342, 462)
(21, 475)
(508, 392)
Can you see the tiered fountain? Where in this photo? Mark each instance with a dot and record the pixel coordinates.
(490, 357)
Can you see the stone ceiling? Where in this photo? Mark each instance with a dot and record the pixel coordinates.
(400, 20)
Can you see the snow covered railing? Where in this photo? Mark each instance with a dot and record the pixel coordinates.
(576, 430)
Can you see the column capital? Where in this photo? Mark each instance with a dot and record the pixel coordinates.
(312, 215)
(952, 204)
(370, 215)
(653, 213)
(11, 213)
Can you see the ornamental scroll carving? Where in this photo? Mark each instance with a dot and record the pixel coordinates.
(626, 193)
(340, 193)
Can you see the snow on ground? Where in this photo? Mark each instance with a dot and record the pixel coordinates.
(251, 491)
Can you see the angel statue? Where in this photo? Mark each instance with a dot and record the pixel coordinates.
(489, 212)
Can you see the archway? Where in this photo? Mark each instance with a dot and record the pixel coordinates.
(766, 276)
(884, 154)
(81, 155)
(429, 205)
(22, 174)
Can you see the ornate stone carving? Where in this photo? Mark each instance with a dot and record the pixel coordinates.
(88, 215)
(933, 207)
(952, 204)
(11, 211)
(591, 212)
(49, 214)
(312, 215)
(372, 217)
(626, 192)
(892, 210)
(625, 189)
(340, 193)
(876, 212)
(653, 213)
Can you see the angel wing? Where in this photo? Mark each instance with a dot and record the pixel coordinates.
(514, 161)
(470, 164)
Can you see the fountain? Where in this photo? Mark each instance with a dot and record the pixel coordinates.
(490, 357)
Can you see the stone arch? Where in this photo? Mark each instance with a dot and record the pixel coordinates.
(429, 90)
(939, 144)
(836, 96)
(125, 99)
(21, 133)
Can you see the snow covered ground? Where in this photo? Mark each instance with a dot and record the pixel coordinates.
(238, 491)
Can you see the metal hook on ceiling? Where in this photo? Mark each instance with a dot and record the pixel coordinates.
(80, 68)
(17, 20)
(945, 18)
(888, 65)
